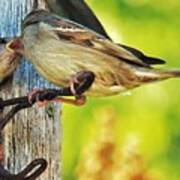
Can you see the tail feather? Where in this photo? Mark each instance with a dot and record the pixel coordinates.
(175, 73)
(169, 73)
(146, 76)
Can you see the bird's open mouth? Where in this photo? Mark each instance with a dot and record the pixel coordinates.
(14, 45)
(7, 54)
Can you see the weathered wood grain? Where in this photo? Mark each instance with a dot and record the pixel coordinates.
(34, 132)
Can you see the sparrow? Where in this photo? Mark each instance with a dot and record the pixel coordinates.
(8, 61)
(67, 53)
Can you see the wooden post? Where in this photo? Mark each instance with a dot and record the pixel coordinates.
(34, 133)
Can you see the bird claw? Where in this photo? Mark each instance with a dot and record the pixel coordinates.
(78, 101)
(83, 80)
(75, 81)
(34, 95)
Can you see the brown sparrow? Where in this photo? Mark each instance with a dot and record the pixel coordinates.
(65, 52)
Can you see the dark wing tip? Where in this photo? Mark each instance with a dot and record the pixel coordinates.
(145, 59)
(153, 61)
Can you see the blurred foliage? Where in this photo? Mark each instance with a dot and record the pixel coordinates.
(150, 113)
(102, 159)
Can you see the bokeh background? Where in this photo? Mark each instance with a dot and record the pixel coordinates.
(134, 136)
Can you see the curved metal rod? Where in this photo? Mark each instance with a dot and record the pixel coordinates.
(37, 166)
(31, 172)
(33, 169)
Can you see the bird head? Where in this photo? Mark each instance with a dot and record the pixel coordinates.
(8, 60)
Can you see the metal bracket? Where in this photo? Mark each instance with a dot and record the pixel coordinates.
(37, 166)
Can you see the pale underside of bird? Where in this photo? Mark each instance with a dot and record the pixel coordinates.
(61, 49)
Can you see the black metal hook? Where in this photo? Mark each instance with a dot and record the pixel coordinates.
(37, 166)
(32, 170)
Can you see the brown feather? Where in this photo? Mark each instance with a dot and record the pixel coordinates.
(81, 35)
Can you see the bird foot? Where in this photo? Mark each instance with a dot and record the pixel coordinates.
(34, 95)
(78, 101)
(82, 80)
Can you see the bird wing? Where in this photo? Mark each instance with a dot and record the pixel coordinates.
(78, 11)
(78, 34)
(81, 35)
(143, 57)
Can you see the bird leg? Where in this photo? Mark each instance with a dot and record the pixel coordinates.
(81, 82)
(78, 101)
(78, 84)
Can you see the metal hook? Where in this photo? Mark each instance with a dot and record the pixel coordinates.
(37, 166)
(32, 170)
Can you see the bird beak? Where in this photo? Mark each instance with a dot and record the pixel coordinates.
(15, 45)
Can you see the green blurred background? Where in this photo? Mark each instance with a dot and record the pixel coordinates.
(150, 113)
